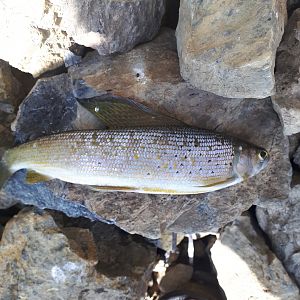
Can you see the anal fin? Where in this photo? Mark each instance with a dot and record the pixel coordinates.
(108, 188)
(34, 177)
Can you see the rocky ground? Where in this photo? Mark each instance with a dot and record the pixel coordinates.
(231, 68)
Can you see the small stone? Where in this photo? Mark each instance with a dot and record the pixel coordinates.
(229, 48)
(247, 268)
(40, 260)
(286, 100)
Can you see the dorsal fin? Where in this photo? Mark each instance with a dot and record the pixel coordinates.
(117, 112)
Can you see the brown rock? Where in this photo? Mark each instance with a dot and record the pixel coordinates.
(286, 100)
(38, 260)
(229, 48)
(160, 86)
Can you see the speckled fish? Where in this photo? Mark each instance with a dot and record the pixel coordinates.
(168, 159)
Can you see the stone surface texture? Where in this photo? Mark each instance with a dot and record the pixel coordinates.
(247, 268)
(286, 101)
(281, 223)
(161, 88)
(36, 35)
(10, 88)
(229, 48)
(40, 260)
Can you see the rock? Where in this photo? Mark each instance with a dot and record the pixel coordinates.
(51, 102)
(286, 99)
(10, 89)
(160, 86)
(294, 143)
(37, 257)
(281, 223)
(47, 29)
(247, 268)
(38, 33)
(230, 49)
(296, 157)
(112, 26)
(292, 5)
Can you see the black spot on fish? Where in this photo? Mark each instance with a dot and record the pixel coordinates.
(230, 164)
(185, 157)
(190, 172)
(212, 172)
(190, 150)
(181, 165)
(177, 172)
(209, 161)
(175, 155)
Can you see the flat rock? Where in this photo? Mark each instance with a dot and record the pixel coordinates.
(160, 86)
(286, 100)
(281, 223)
(247, 268)
(230, 49)
(45, 30)
(38, 258)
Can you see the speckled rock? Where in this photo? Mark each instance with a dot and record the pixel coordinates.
(36, 35)
(161, 87)
(281, 223)
(247, 268)
(229, 48)
(286, 100)
(39, 260)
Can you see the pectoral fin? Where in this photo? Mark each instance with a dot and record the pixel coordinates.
(34, 177)
(117, 112)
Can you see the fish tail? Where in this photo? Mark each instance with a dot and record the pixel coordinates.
(4, 171)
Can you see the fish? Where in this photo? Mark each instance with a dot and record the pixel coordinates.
(163, 157)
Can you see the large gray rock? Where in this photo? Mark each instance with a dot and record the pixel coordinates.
(281, 222)
(112, 26)
(229, 48)
(286, 101)
(247, 268)
(159, 85)
(41, 260)
(36, 35)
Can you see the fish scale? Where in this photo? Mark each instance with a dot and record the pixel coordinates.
(138, 157)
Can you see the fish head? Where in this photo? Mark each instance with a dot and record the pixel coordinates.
(250, 160)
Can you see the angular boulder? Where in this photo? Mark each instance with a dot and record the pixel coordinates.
(286, 101)
(41, 260)
(229, 49)
(280, 221)
(36, 35)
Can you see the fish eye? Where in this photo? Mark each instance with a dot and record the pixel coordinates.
(262, 155)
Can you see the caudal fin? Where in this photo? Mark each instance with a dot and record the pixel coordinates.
(4, 173)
